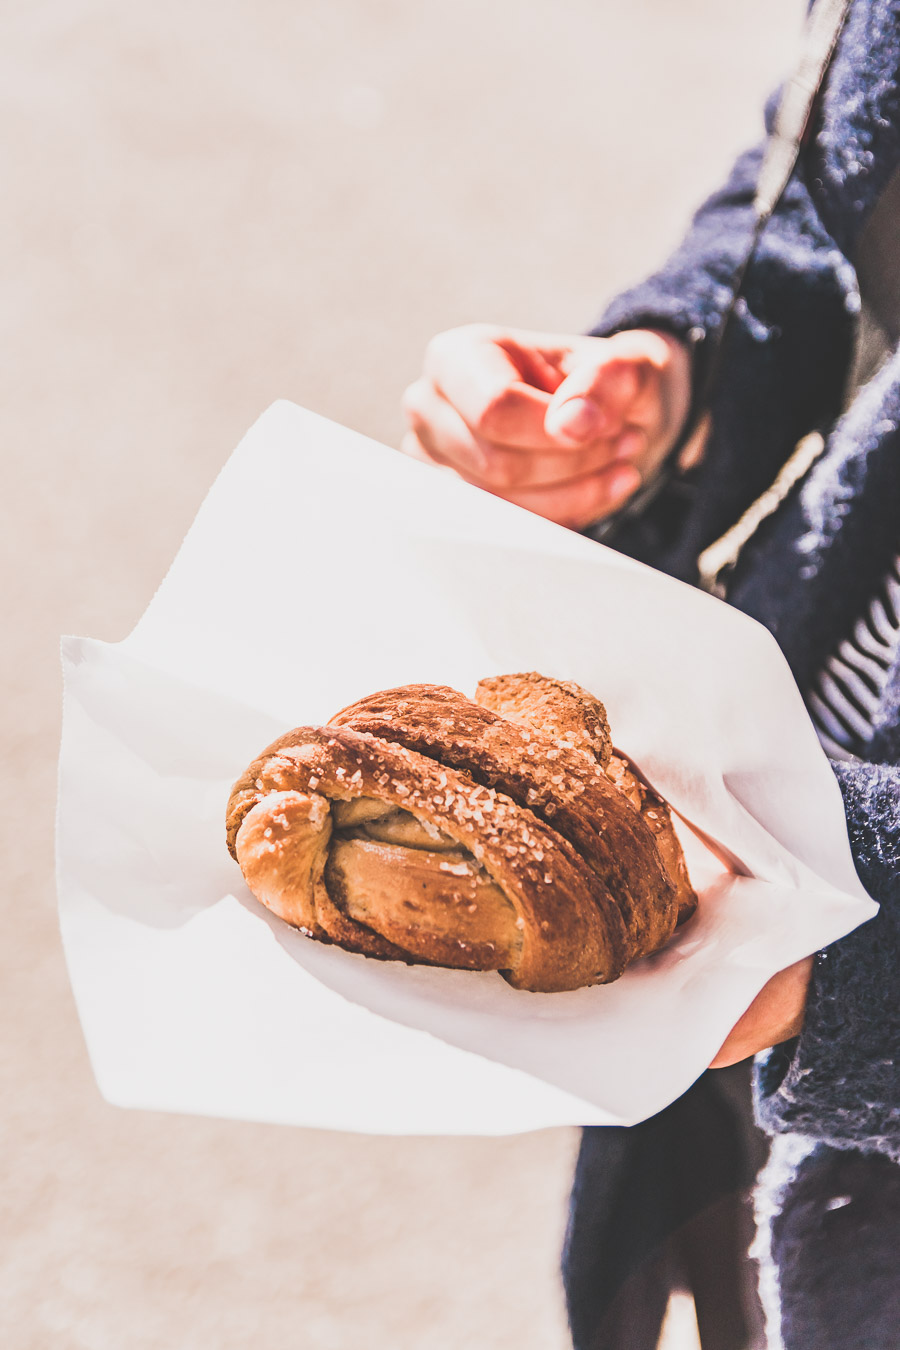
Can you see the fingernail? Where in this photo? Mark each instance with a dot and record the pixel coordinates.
(578, 419)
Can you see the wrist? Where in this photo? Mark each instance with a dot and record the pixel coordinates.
(676, 386)
(682, 429)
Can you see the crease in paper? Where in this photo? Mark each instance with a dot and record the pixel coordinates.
(320, 568)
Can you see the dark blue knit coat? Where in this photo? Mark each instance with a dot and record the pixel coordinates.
(830, 1198)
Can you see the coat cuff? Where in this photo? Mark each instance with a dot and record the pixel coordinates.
(839, 1082)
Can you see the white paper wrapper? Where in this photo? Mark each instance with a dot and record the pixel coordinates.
(320, 568)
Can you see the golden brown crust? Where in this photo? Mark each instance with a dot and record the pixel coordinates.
(572, 716)
(561, 709)
(552, 889)
(419, 825)
(566, 788)
(658, 818)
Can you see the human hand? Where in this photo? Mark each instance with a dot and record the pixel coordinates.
(775, 1015)
(567, 426)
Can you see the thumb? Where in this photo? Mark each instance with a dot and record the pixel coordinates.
(593, 401)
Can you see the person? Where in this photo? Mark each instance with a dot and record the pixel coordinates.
(577, 428)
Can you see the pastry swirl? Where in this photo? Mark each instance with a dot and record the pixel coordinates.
(421, 826)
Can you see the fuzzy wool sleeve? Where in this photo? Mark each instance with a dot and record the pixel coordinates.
(840, 1081)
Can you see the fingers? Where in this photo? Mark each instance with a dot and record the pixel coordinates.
(446, 439)
(484, 381)
(576, 502)
(618, 387)
(593, 401)
(442, 432)
(581, 501)
(566, 426)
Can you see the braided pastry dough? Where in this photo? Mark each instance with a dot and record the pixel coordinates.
(497, 834)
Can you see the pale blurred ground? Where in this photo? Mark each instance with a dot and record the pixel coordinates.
(208, 206)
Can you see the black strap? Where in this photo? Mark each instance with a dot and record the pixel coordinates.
(792, 124)
(793, 121)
